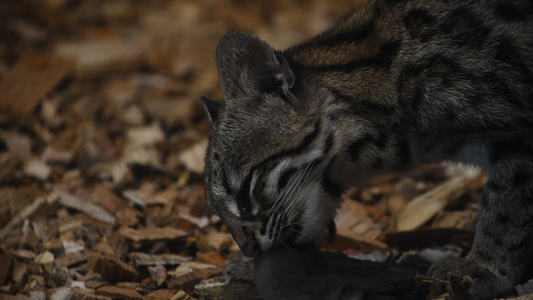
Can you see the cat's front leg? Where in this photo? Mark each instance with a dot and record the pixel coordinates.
(503, 246)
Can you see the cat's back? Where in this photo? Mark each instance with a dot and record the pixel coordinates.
(430, 58)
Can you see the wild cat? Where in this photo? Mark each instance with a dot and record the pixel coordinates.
(395, 85)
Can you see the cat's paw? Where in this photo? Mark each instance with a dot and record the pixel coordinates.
(467, 279)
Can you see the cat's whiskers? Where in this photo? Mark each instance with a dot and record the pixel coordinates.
(286, 247)
(295, 184)
(295, 201)
(285, 191)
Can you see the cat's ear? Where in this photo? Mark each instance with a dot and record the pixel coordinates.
(212, 108)
(249, 66)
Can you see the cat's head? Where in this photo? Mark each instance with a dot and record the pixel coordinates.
(267, 151)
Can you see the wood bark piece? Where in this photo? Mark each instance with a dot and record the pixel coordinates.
(464, 220)
(136, 197)
(158, 274)
(38, 71)
(189, 274)
(153, 234)
(24, 253)
(125, 214)
(116, 292)
(110, 267)
(91, 209)
(72, 259)
(5, 264)
(193, 158)
(72, 247)
(54, 156)
(19, 145)
(45, 258)
(37, 168)
(181, 295)
(98, 56)
(16, 297)
(75, 293)
(422, 208)
(143, 259)
(161, 294)
(19, 272)
(168, 294)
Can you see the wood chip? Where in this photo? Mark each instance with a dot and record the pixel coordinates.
(146, 136)
(110, 267)
(37, 70)
(464, 220)
(161, 294)
(37, 168)
(83, 294)
(72, 247)
(143, 259)
(94, 211)
(119, 292)
(194, 157)
(54, 156)
(212, 257)
(190, 275)
(5, 264)
(126, 215)
(153, 234)
(189, 267)
(18, 145)
(24, 253)
(136, 197)
(422, 208)
(181, 295)
(158, 274)
(72, 259)
(99, 56)
(173, 112)
(354, 217)
(45, 258)
(163, 198)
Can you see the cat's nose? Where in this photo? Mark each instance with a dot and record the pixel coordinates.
(250, 246)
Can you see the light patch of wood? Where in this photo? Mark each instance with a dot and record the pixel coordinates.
(424, 207)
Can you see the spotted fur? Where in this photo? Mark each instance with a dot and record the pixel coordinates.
(395, 85)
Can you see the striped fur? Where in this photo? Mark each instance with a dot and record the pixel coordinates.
(396, 85)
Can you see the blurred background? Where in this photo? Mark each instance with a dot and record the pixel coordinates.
(102, 138)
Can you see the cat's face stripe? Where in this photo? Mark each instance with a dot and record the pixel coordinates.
(285, 177)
